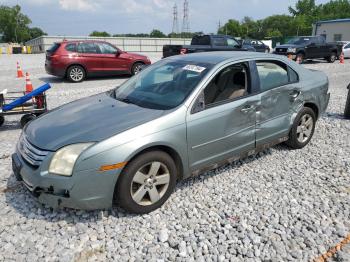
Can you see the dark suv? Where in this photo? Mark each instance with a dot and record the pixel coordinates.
(77, 60)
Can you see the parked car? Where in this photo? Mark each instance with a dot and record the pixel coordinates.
(206, 43)
(77, 60)
(346, 49)
(310, 47)
(347, 105)
(257, 45)
(177, 118)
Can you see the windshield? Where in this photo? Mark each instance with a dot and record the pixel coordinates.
(164, 85)
(299, 40)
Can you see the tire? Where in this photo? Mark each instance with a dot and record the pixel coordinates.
(300, 57)
(26, 119)
(332, 58)
(2, 120)
(137, 68)
(130, 184)
(301, 132)
(76, 74)
(347, 105)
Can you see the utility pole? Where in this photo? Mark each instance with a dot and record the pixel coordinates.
(175, 29)
(186, 18)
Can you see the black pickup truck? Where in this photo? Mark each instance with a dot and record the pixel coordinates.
(206, 43)
(310, 47)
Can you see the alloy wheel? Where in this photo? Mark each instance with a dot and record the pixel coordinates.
(76, 74)
(305, 127)
(150, 183)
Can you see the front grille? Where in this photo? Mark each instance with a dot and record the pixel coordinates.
(281, 50)
(31, 154)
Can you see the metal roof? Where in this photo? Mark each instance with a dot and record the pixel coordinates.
(346, 20)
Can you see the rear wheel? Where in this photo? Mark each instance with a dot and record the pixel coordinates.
(332, 58)
(76, 74)
(2, 120)
(303, 129)
(137, 68)
(347, 105)
(26, 119)
(146, 183)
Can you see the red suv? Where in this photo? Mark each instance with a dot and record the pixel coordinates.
(77, 60)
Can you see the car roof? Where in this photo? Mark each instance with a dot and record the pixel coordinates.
(222, 56)
(81, 41)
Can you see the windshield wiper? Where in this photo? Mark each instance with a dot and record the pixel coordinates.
(125, 100)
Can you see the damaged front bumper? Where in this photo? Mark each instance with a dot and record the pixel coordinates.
(87, 190)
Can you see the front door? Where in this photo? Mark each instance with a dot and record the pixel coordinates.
(221, 124)
(280, 97)
(112, 59)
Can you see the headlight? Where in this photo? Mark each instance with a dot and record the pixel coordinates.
(64, 159)
(292, 50)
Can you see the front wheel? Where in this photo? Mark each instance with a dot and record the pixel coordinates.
(76, 74)
(137, 68)
(303, 129)
(332, 58)
(347, 105)
(146, 183)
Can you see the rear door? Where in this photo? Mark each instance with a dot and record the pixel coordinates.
(90, 56)
(281, 95)
(221, 123)
(111, 58)
(347, 50)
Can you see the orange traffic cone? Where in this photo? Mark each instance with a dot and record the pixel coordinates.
(342, 60)
(19, 71)
(29, 86)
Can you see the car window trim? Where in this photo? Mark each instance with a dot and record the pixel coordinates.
(289, 82)
(227, 101)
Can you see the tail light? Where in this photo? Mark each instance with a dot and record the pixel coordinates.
(183, 51)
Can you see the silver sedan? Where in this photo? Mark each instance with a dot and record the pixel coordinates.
(177, 118)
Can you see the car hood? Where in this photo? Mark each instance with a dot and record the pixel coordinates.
(288, 46)
(91, 119)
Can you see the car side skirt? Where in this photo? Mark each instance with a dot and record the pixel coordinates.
(243, 155)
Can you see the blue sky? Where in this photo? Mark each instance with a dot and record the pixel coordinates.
(80, 17)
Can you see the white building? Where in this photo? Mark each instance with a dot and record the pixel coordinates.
(333, 30)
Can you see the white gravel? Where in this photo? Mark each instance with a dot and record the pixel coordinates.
(280, 205)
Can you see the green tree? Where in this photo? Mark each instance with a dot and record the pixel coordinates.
(14, 24)
(232, 27)
(100, 34)
(157, 34)
(35, 32)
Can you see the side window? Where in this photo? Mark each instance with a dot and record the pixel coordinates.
(107, 49)
(347, 46)
(71, 47)
(272, 74)
(293, 76)
(231, 42)
(88, 48)
(230, 83)
(219, 41)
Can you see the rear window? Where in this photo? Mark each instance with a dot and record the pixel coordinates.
(71, 47)
(54, 48)
(201, 40)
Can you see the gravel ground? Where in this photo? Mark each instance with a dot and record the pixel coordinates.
(280, 205)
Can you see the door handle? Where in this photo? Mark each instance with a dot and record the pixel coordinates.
(247, 108)
(294, 94)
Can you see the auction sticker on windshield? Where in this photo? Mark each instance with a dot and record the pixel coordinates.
(194, 68)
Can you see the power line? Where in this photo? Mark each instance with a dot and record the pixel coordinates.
(175, 29)
(186, 18)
